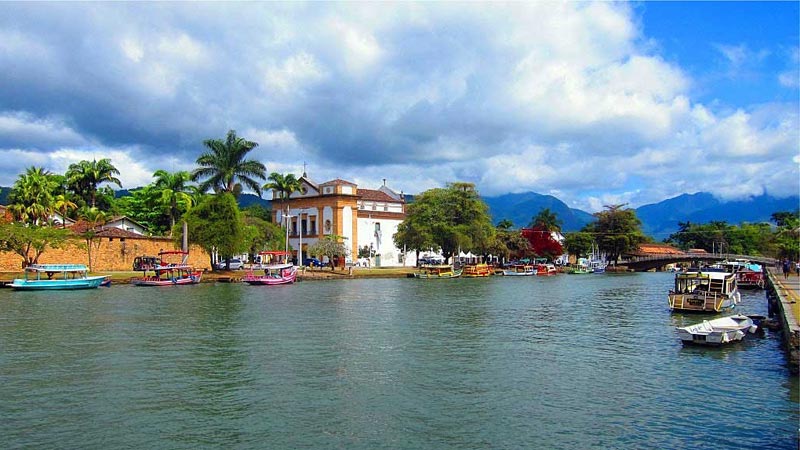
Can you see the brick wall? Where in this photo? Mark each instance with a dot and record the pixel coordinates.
(108, 254)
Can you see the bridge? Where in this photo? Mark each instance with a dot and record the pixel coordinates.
(645, 263)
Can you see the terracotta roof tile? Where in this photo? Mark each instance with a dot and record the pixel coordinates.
(375, 195)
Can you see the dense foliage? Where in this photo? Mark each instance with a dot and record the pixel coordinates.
(450, 220)
(616, 231)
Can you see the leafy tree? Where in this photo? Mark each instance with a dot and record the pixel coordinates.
(330, 246)
(786, 240)
(174, 192)
(513, 244)
(450, 219)
(262, 234)
(546, 220)
(31, 241)
(284, 185)
(145, 205)
(225, 162)
(258, 211)
(215, 224)
(542, 242)
(617, 230)
(83, 178)
(579, 243)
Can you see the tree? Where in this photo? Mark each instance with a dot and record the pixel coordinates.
(542, 241)
(31, 197)
(30, 241)
(64, 205)
(451, 219)
(546, 220)
(215, 224)
(331, 246)
(92, 218)
(225, 162)
(579, 243)
(284, 185)
(83, 178)
(262, 235)
(617, 231)
(174, 192)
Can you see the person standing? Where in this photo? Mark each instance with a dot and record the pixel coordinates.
(797, 268)
(787, 267)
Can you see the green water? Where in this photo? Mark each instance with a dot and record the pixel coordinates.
(569, 362)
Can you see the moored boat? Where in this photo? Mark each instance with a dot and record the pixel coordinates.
(546, 269)
(717, 331)
(163, 272)
(438, 272)
(476, 270)
(274, 274)
(517, 270)
(704, 291)
(57, 277)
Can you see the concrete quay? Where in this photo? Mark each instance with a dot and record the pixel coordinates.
(783, 295)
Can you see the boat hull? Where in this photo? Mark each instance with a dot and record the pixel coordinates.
(58, 285)
(717, 332)
(173, 281)
(275, 276)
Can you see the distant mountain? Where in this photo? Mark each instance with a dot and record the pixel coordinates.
(661, 219)
(521, 208)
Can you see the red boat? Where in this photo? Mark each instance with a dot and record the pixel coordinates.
(170, 269)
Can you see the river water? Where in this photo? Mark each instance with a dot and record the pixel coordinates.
(564, 362)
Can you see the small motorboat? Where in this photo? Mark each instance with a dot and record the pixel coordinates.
(718, 331)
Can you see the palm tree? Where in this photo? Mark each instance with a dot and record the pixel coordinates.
(226, 162)
(63, 205)
(31, 198)
(285, 185)
(93, 218)
(174, 192)
(547, 220)
(84, 177)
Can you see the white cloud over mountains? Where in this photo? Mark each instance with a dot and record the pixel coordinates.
(568, 99)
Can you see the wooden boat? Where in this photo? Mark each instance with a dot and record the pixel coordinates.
(438, 272)
(546, 269)
(57, 277)
(163, 272)
(476, 270)
(704, 291)
(274, 274)
(718, 331)
(518, 270)
(748, 275)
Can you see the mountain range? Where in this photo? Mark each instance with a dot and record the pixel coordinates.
(659, 220)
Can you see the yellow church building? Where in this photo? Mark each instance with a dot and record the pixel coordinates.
(364, 217)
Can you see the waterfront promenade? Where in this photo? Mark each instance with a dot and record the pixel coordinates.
(784, 294)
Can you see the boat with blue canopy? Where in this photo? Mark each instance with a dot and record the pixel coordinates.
(57, 277)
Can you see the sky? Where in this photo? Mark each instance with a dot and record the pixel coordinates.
(594, 103)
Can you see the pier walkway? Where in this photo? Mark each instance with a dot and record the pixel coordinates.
(784, 297)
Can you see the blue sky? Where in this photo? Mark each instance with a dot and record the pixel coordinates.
(595, 103)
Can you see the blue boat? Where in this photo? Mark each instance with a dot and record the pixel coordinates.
(57, 277)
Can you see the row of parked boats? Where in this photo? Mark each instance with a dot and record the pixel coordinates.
(715, 289)
(169, 268)
(445, 271)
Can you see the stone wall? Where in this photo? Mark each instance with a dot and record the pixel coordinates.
(108, 254)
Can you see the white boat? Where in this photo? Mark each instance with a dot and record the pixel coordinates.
(717, 331)
(520, 270)
(704, 291)
(57, 277)
(274, 274)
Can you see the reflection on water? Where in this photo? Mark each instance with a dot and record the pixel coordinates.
(557, 362)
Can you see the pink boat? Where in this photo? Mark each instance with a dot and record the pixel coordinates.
(274, 274)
